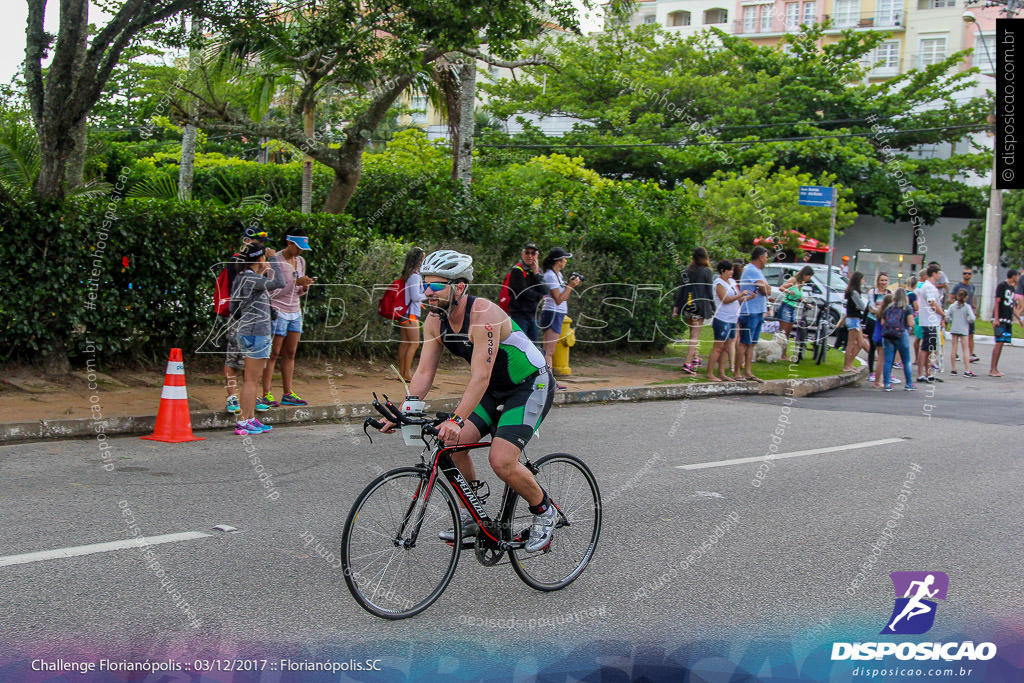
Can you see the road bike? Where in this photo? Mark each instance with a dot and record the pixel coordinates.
(395, 564)
(812, 328)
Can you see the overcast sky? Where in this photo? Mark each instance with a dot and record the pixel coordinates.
(12, 31)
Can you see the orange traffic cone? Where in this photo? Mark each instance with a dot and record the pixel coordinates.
(173, 423)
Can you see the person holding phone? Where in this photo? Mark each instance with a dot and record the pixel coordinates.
(287, 323)
(554, 308)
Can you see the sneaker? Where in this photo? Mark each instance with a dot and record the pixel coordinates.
(261, 407)
(968, 373)
(561, 387)
(243, 428)
(542, 530)
(923, 379)
(291, 399)
(871, 377)
(888, 387)
(897, 365)
(974, 359)
(896, 380)
(689, 369)
(469, 529)
(952, 372)
(932, 379)
(268, 401)
(256, 424)
(910, 387)
(956, 357)
(232, 405)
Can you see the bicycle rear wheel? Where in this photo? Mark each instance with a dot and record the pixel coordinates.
(388, 573)
(573, 489)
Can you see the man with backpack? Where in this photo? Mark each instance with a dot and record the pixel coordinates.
(523, 290)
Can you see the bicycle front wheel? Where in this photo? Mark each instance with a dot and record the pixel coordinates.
(395, 565)
(573, 489)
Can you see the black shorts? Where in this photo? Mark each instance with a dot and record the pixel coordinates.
(514, 415)
(929, 338)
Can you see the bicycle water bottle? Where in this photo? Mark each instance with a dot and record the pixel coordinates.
(412, 407)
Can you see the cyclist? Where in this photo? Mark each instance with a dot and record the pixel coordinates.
(510, 388)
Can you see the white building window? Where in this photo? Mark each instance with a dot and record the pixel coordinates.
(886, 59)
(889, 13)
(767, 14)
(985, 53)
(650, 19)
(937, 4)
(679, 18)
(750, 19)
(933, 51)
(716, 16)
(792, 16)
(810, 13)
(846, 13)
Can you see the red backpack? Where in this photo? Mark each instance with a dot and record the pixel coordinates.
(505, 298)
(222, 295)
(392, 305)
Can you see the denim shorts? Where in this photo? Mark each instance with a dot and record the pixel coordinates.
(750, 328)
(723, 331)
(786, 313)
(854, 324)
(282, 327)
(551, 320)
(256, 347)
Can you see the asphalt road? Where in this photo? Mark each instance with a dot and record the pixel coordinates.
(779, 572)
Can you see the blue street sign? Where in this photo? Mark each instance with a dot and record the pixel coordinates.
(815, 195)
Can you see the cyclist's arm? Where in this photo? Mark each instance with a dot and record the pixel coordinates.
(486, 336)
(430, 355)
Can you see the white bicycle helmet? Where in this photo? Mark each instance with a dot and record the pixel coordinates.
(448, 264)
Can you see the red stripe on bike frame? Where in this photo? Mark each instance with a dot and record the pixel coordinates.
(458, 491)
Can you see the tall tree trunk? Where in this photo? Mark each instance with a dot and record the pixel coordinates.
(186, 166)
(467, 123)
(346, 178)
(75, 171)
(307, 163)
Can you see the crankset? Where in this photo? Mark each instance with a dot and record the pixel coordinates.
(486, 553)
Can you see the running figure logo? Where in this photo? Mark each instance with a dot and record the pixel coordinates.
(914, 613)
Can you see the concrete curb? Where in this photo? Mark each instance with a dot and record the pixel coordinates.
(13, 432)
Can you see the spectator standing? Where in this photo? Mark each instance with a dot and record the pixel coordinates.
(554, 308)
(752, 310)
(965, 285)
(1003, 314)
(409, 328)
(250, 302)
(875, 296)
(930, 319)
(960, 316)
(287, 324)
(728, 299)
(234, 360)
(792, 294)
(525, 290)
(896, 320)
(694, 302)
(855, 310)
(845, 268)
(734, 362)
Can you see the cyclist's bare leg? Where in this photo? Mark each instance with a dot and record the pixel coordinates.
(504, 458)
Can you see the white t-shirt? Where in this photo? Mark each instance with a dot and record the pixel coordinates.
(414, 294)
(553, 280)
(730, 312)
(928, 316)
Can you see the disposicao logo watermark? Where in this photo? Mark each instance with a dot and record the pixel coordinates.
(914, 614)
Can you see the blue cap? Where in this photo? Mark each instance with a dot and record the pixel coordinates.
(300, 242)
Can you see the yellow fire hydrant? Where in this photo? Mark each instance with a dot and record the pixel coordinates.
(566, 338)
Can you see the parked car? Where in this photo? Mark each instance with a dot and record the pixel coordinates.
(777, 273)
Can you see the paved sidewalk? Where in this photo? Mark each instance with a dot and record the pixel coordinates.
(126, 402)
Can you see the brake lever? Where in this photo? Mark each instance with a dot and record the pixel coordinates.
(370, 422)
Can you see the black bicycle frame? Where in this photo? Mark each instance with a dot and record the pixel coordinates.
(444, 464)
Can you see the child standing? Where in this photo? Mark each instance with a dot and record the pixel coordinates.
(250, 304)
(961, 316)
